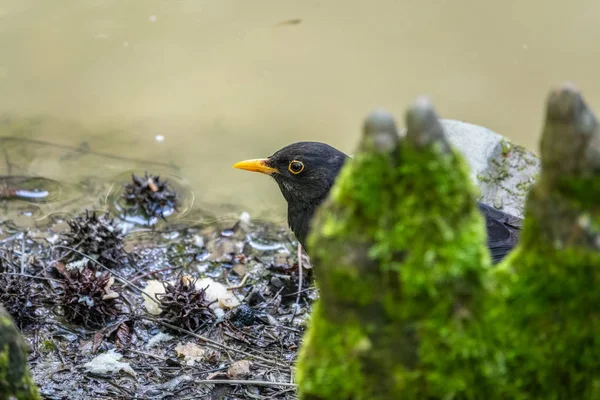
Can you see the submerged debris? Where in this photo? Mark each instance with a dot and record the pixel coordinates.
(88, 297)
(96, 236)
(185, 305)
(150, 196)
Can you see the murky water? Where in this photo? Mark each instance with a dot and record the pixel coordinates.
(193, 86)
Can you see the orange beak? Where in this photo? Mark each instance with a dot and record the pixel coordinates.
(257, 165)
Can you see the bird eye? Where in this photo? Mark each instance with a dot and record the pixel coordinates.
(296, 167)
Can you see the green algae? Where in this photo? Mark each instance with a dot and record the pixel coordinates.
(399, 253)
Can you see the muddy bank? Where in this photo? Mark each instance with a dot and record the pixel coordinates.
(69, 313)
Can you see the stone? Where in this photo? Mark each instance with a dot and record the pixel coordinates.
(503, 171)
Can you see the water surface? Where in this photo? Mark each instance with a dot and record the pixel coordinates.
(196, 85)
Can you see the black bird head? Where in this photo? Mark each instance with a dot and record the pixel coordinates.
(305, 172)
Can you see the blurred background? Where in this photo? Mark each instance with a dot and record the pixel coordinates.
(197, 85)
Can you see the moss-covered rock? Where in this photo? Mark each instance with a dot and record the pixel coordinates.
(399, 252)
(15, 380)
(546, 311)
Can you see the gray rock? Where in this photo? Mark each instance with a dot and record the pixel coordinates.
(502, 170)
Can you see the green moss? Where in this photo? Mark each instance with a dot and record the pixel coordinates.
(4, 366)
(19, 385)
(47, 346)
(545, 307)
(400, 256)
(524, 187)
(339, 374)
(506, 147)
(399, 252)
(15, 379)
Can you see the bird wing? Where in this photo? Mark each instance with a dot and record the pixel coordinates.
(503, 231)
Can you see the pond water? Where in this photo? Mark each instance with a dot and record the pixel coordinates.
(91, 90)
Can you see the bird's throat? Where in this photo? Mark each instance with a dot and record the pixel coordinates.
(299, 219)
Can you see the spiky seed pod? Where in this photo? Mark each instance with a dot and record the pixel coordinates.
(19, 299)
(150, 196)
(88, 297)
(184, 305)
(96, 236)
(243, 315)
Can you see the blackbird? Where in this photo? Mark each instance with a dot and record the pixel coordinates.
(306, 171)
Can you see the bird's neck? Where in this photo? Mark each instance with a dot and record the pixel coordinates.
(299, 219)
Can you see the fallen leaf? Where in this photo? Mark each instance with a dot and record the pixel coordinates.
(108, 362)
(191, 352)
(239, 369)
(159, 337)
(152, 288)
(239, 269)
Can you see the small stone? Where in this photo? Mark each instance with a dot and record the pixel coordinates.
(239, 369)
(198, 241)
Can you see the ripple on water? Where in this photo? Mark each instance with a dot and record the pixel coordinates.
(30, 189)
(117, 205)
(24, 216)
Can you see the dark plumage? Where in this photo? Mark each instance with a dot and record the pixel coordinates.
(306, 171)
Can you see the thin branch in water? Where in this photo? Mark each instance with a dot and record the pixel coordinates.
(86, 150)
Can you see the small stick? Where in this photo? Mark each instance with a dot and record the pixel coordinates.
(23, 254)
(245, 382)
(31, 276)
(299, 275)
(297, 304)
(147, 354)
(240, 285)
(135, 278)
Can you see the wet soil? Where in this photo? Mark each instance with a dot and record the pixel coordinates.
(246, 350)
